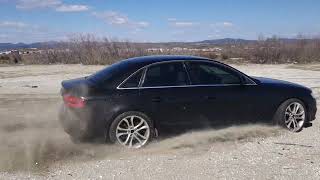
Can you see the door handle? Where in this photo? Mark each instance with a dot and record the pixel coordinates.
(156, 99)
(210, 98)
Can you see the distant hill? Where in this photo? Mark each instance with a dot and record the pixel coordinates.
(9, 46)
(227, 41)
(12, 46)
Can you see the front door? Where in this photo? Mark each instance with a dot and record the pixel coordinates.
(223, 98)
(166, 95)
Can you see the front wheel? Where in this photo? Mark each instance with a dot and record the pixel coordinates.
(131, 129)
(291, 114)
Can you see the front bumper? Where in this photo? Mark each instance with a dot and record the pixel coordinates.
(312, 110)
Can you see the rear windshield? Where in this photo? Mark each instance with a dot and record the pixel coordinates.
(108, 73)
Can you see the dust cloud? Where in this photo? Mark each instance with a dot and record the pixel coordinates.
(205, 138)
(32, 139)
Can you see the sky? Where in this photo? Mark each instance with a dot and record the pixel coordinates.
(156, 20)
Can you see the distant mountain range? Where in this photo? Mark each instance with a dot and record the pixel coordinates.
(227, 41)
(53, 44)
(13, 46)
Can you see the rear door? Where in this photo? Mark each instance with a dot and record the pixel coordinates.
(166, 95)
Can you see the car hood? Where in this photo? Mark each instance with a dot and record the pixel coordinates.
(276, 82)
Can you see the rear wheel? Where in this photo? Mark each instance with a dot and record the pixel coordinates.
(131, 129)
(292, 115)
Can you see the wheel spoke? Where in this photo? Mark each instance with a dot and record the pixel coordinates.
(287, 120)
(294, 123)
(122, 129)
(294, 108)
(291, 109)
(289, 124)
(131, 120)
(140, 135)
(127, 122)
(140, 123)
(141, 128)
(137, 138)
(121, 134)
(297, 108)
(126, 141)
(131, 139)
(300, 113)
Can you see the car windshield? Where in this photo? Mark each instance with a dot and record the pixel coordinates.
(107, 73)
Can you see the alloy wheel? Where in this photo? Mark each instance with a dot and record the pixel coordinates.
(133, 132)
(294, 116)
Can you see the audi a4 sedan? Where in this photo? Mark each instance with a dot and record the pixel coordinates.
(134, 100)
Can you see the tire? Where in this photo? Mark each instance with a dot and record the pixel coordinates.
(131, 137)
(281, 116)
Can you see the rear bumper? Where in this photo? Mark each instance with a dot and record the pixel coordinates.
(76, 123)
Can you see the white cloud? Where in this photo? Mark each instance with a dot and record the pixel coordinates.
(12, 24)
(32, 4)
(172, 19)
(72, 8)
(15, 31)
(214, 36)
(57, 5)
(184, 24)
(181, 24)
(225, 24)
(16, 26)
(112, 17)
(142, 24)
(115, 18)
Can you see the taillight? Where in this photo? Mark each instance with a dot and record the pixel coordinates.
(74, 102)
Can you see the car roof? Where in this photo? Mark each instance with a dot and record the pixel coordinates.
(146, 60)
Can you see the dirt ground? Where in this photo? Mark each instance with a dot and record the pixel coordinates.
(34, 146)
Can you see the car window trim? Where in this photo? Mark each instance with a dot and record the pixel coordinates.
(144, 68)
(195, 85)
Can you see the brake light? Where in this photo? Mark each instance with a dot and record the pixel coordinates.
(73, 102)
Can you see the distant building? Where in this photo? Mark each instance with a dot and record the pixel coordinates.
(155, 50)
(5, 52)
(30, 51)
(12, 56)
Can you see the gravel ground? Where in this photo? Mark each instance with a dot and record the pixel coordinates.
(33, 145)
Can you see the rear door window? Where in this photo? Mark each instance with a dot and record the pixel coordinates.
(166, 74)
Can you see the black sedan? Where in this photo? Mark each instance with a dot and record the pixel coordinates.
(130, 102)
